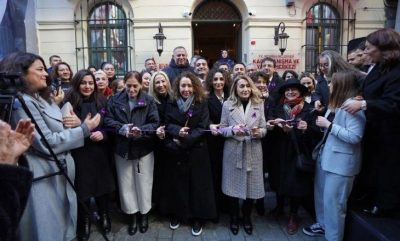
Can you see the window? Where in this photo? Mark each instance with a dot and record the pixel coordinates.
(323, 32)
(103, 34)
(324, 28)
(107, 36)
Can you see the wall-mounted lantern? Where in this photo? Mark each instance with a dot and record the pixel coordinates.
(281, 38)
(159, 37)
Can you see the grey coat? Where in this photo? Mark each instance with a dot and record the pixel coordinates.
(51, 211)
(242, 171)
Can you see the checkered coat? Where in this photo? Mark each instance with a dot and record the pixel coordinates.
(242, 171)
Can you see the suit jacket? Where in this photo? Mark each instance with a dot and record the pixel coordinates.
(242, 175)
(342, 151)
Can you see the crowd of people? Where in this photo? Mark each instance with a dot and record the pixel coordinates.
(191, 141)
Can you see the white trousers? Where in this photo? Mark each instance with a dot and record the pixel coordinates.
(331, 192)
(135, 180)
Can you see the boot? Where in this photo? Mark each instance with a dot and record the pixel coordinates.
(132, 226)
(293, 224)
(83, 229)
(105, 222)
(143, 223)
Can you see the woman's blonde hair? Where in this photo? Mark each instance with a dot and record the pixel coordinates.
(152, 89)
(255, 93)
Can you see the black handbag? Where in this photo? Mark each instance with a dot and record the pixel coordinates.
(304, 163)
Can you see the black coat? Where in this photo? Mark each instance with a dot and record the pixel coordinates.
(284, 177)
(173, 70)
(160, 173)
(15, 184)
(216, 143)
(381, 145)
(93, 169)
(145, 116)
(321, 92)
(191, 189)
(274, 85)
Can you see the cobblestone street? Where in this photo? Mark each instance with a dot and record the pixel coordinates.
(265, 229)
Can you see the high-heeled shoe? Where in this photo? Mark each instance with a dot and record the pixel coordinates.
(143, 223)
(247, 225)
(234, 225)
(132, 227)
(83, 229)
(105, 222)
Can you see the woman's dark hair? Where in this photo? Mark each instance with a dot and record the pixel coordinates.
(19, 63)
(198, 91)
(225, 75)
(344, 86)
(91, 66)
(295, 75)
(74, 95)
(134, 74)
(255, 75)
(54, 74)
(388, 42)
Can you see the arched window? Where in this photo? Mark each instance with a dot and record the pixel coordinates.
(323, 32)
(107, 36)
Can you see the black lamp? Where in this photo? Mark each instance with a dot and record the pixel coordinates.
(159, 37)
(281, 38)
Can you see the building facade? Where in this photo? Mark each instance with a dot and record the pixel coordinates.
(85, 32)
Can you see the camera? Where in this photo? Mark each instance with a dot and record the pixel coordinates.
(10, 83)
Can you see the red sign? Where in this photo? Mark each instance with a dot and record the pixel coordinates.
(283, 62)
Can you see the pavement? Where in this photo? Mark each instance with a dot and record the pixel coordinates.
(266, 228)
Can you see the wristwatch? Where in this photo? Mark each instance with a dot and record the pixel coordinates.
(363, 105)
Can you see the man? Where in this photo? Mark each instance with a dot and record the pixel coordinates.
(53, 60)
(150, 65)
(355, 50)
(225, 59)
(268, 65)
(178, 64)
(250, 68)
(238, 68)
(201, 69)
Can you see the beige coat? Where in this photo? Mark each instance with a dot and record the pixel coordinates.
(242, 172)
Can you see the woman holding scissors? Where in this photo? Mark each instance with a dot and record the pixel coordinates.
(243, 126)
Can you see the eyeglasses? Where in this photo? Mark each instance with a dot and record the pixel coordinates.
(324, 65)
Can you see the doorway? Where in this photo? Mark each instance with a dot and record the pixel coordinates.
(217, 25)
(211, 38)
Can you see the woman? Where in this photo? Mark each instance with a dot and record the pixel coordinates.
(261, 80)
(109, 69)
(51, 210)
(217, 84)
(117, 86)
(340, 162)
(290, 124)
(134, 117)
(330, 62)
(381, 91)
(92, 68)
(191, 196)
(93, 173)
(289, 74)
(102, 83)
(160, 90)
(146, 77)
(61, 77)
(308, 80)
(243, 126)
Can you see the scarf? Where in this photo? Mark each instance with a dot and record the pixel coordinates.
(184, 105)
(293, 107)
